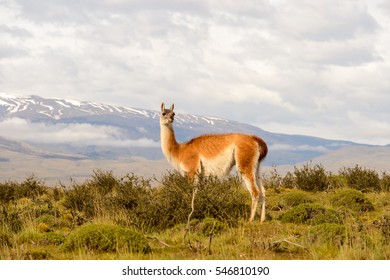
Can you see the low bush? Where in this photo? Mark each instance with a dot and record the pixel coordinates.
(384, 224)
(273, 180)
(53, 222)
(312, 214)
(37, 255)
(385, 182)
(223, 199)
(337, 182)
(328, 232)
(80, 198)
(10, 220)
(103, 182)
(5, 238)
(288, 181)
(295, 198)
(362, 179)
(7, 191)
(108, 196)
(353, 200)
(40, 238)
(208, 226)
(106, 238)
(134, 197)
(310, 178)
(31, 187)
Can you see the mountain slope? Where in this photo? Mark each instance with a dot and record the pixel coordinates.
(18, 164)
(373, 157)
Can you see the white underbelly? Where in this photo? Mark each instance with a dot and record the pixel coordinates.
(219, 165)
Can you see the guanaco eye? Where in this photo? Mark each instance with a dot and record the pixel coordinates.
(163, 114)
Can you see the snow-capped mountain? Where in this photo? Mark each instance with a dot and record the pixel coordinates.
(95, 130)
(136, 123)
(36, 107)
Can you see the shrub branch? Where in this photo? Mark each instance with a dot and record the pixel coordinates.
(190, 215)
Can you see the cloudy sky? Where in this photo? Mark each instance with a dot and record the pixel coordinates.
(318, 68)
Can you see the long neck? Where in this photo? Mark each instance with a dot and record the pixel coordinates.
(169, 144)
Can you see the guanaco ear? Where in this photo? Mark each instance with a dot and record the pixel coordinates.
(162, 107)
(173, 106)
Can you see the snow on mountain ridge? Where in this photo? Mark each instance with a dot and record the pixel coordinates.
(35, 107)
(60, 108)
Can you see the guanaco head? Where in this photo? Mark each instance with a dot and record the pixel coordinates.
(167, 115)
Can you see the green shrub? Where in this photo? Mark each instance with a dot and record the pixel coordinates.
(222, 199)
(361, 179)
(353, 200)
(43, 227)
(80, 198)
(106, 238)
(133, 196)
(37, 255)
(54, 238)
(10, 220)
(295, 198)
(40, 238)
(311, 178)
(337, 182)
(57, 193)
(288, 181)
(52, 221)
(327, 232)
(7, 191)
(273, 180)
(385, 182)
(131, 201)
(172, 201)
(32, 187)
(208, 226)
(132, 192)
(103, 182)
(106, 195)
(5, 238)
(312, 214)
(212, 226)
(384, 224)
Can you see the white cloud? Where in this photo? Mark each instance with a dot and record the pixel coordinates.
(77, 133)
(376, 129)
(281, 147)
(287, 147)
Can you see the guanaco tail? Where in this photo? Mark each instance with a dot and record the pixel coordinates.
(216, 155)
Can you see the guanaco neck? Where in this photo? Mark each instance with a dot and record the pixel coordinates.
(169, 145)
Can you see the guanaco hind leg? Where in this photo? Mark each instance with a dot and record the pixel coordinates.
(262, 197)
(250, 183)
(249, 169)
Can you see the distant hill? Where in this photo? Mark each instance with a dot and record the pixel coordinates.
(371, 157)
(59, 135)
(18, 164)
